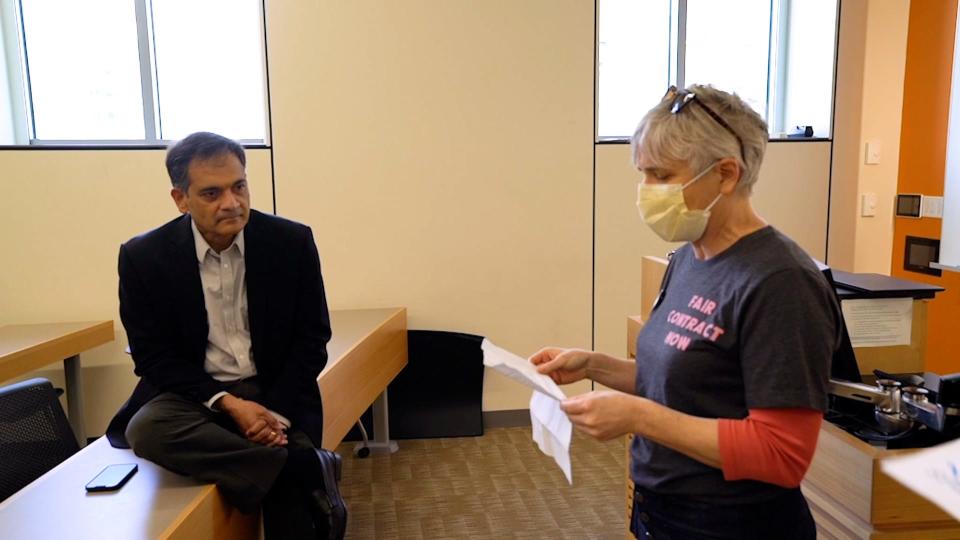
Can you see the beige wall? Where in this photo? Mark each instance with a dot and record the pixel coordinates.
(883, 72)
(442, 151)
(847, 155)
(872, 56)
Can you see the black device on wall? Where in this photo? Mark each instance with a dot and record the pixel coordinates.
(908, 205)
(919, 253)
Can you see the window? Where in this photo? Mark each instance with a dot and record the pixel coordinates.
(209, 89)
(633, 67)
(729, 56)
(84, 69)
(131, 71)
(778, 55)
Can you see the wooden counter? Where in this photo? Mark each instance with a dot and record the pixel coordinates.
(850, 496)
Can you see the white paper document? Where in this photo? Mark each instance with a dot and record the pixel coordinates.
(552, 429)
(934, 473)
(878, 322)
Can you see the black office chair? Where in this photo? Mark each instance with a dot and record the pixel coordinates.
(34, 434)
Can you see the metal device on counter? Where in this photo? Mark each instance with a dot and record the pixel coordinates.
(901, 402)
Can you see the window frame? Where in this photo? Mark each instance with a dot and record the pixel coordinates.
(18, 71)
(11, 16)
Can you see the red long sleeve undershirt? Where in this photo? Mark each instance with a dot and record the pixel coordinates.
(770, 445)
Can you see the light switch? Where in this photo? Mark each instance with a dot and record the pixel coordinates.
(872, 153)
(868, 204)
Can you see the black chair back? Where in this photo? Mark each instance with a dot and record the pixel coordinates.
(34, 434)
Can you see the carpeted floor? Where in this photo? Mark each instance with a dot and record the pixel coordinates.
(496, 486)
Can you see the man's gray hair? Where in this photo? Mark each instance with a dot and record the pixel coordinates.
(691, 136)
(199, 146)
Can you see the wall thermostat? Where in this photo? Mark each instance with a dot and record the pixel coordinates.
(908, 205)
(919, 253)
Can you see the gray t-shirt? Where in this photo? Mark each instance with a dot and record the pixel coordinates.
(753, 327)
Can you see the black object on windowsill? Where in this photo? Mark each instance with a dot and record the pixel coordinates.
(801, 132)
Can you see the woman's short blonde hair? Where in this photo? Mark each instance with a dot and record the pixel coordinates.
(691, 136)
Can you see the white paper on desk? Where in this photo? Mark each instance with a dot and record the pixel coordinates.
(551, 429)
(878, 322)
(934, 473)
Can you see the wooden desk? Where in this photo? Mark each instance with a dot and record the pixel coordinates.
(26, 347)
(368, 349)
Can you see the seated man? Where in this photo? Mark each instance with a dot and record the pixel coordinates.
(227, 321)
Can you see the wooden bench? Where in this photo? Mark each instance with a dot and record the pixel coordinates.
(368, 349)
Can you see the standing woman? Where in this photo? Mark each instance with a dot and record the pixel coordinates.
(730, 384)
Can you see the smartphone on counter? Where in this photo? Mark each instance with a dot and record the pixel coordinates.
(113, 477)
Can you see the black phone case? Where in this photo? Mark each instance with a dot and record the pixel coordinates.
(93, 488)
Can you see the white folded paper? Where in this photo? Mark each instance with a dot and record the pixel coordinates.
(933, 473)
(552, 430)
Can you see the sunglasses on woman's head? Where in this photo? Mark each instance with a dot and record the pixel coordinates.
(681, 98)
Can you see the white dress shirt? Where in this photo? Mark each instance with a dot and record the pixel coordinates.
(223, 277)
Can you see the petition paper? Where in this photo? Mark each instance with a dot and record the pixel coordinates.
(552, 429)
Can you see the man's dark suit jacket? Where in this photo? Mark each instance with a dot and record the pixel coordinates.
(163, 312)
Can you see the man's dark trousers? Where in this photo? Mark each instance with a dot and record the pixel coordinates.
(188, 438)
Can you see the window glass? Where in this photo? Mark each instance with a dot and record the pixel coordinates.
(778, 55)
(728, 43)
(808, 99)
(84, 69)
(633, 62)
(209, 67)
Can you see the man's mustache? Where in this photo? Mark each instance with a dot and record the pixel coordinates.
(230, 215)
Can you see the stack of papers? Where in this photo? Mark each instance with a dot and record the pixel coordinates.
(552, 430)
